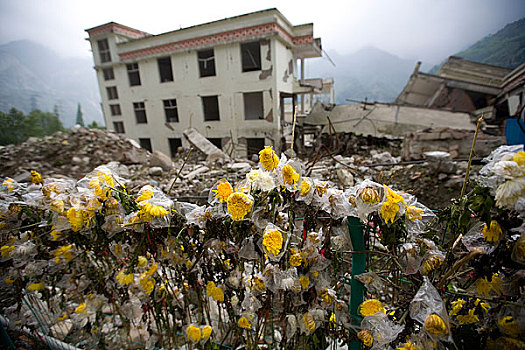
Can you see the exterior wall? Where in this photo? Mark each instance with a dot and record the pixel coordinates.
(187, 87)
(279, 41)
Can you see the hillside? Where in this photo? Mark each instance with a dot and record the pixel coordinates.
(368, 73)
(505, 48)
(34, 77)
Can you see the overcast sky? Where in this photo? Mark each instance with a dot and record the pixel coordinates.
(427, 30)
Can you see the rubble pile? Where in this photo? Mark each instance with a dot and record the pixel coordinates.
(69, 154)
(72, 154)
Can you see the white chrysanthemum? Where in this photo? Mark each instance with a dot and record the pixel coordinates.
(509, 192)
(287, 283)
(260, 180)
(508, 169)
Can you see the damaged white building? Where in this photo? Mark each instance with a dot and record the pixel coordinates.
(229, 79)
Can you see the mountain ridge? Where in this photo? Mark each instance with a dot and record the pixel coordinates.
(33, 76)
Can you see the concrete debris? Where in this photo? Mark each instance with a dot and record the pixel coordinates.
(235, 167)
(203, 144)
(440, 162)
(155, 171)
(159, 159)
(346, 179)
(453, 141)
(384, 157)
(72, 155)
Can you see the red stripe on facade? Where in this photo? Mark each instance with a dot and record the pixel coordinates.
(115, 28)
(237, 34)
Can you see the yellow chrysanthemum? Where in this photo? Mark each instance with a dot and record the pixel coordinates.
(206, 332)
(62, 318)
(290, 176)
(57, 205)
(321, 188)
(147, 283)
(485, 306)
(389, 210)
(519, 158)
(75, 218)
(244, 323)
(435, 325)
(145, 194)
(9, 280)
(305, 281)
(258, 283)
(152, 269)
(309, 322)
(431, 263)
(295, 257)
(209, 287)
(36, 286)
(273, 241)
(101, 186)
(239, 204)
(81, 309)
(64, 252)
(484, 287)
(6, 251)
(393, 196)
(268, 158)
(216, 293)
(371, 307)
(56, 235)
(125, 278)
(509, 326)
(409, 346)
(369, 195)
(142, 261)
(457, 305)
(366, 337)
(414, 213)
(9, 184)
(36, 178)
(326, 297)
(467, 319)
(223, 191)
(193, 334)
(152, 209)
(305, 188)
(492, 233)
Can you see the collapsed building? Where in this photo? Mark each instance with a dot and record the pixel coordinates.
(230, 80)
(436, 112)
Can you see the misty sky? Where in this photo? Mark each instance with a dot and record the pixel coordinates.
(427, 30)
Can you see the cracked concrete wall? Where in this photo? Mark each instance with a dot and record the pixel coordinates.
(187, 88)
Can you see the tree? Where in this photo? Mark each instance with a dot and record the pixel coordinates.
(94, 125)
(80, 120)
(17, 127)
(55, 111)
(13, 126)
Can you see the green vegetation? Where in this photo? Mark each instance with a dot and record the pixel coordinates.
(506, 48)
(18, 127)
(80, 120)
(94, 125)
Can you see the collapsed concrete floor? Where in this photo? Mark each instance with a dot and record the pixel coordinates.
(75, 153)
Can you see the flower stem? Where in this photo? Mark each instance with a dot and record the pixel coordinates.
(478, 126)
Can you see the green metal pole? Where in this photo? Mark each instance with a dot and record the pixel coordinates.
(355, 227)
(5, 339)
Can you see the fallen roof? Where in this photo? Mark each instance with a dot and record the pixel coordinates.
(386, 120)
